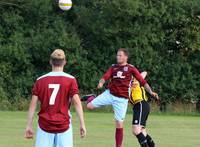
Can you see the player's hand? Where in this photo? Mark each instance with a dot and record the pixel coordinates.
(29, 133)
(100, 85)
(83, 131)
(155, 95)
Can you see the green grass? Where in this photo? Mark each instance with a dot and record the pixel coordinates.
(168, 131)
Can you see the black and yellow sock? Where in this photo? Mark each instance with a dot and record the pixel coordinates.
(150, 141)
(142, 140)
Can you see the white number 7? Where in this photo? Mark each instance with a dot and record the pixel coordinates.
(55, 88)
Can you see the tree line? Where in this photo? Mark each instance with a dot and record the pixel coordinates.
(163, 38)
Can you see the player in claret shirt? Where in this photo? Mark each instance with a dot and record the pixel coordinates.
(55, 91)
(118, 91)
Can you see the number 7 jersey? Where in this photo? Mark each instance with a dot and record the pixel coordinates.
(54, 91)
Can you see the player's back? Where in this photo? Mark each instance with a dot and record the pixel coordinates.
(54, 91)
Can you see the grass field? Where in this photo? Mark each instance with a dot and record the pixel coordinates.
(168, 131)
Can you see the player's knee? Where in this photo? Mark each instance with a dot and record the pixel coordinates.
(90, 106)
(136, 130)
(119, 124)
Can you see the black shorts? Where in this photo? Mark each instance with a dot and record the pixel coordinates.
(140, 113)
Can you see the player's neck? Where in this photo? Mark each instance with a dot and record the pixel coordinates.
(123, 64)
(57, 69)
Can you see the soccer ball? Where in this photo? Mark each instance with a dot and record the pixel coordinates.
(65, 4)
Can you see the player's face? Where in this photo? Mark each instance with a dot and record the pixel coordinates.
(121, 57)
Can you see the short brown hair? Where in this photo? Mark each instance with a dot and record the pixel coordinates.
(124, 50)
(57, 58)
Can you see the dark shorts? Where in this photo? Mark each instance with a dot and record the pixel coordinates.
(140, 113)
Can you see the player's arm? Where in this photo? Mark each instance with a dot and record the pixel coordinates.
(149, 90)
(29, 129)
(79, 111)
(78, 106)
(105, 77)
(143, 82)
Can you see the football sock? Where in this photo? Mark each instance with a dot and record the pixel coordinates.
(91, 98)
(119, 137)
(142, 140)
(150, 141)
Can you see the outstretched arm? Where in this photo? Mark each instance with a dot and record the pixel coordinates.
(143, 82)
(149, 90)
(101, 83)
(29, 128)
(105, 77)
(79, 111)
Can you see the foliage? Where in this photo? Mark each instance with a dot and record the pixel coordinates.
(163, 37)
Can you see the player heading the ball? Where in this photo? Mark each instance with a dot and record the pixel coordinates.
(55, 91)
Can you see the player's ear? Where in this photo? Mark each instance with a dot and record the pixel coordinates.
(65, 62)
(50, 62)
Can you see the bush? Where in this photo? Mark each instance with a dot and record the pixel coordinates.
(163, 37)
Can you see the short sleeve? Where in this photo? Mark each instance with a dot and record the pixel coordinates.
(74, 88)
(35, 89)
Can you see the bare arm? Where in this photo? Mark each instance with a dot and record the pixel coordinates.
(29, 130)
(101, 83)
(105, 77)
(149, 90)
(143, 82)
(79, 111)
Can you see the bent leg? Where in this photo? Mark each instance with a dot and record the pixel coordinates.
(150, 141)
(139, 122)
(101, 100)
(144, 131)
(137, 131)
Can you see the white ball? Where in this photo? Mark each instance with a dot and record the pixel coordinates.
(65, 4)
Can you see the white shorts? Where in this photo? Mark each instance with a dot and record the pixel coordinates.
(119, 104)
(45, 139)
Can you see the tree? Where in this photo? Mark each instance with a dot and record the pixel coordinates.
(163, 37)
